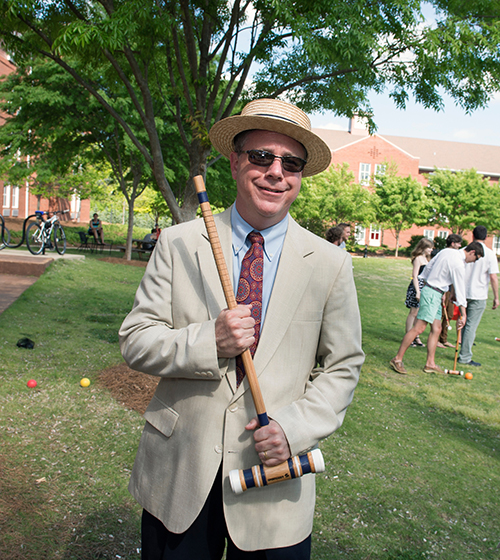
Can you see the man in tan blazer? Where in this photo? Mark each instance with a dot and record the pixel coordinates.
(200, 424)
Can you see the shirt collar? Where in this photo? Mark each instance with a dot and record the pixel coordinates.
(273, 236)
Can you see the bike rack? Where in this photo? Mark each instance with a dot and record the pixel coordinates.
(2, 225)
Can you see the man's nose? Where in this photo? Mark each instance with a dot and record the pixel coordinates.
(276, 168)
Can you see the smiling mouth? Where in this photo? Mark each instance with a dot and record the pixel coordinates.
(271, 190)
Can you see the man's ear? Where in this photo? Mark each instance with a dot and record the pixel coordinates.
(233, 160)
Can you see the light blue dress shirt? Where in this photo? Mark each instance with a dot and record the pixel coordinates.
(274, 238)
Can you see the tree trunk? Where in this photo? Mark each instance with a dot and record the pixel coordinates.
(397, 243)
(130, 229)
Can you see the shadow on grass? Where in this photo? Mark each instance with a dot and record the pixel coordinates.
(478, 437)
(106, 533)
(322, 551)
(33, 527)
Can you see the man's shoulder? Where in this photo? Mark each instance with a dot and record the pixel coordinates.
(192, 228)
(315, 243)
(490, 258)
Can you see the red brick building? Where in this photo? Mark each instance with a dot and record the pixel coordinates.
(18, 202)
(413, 156)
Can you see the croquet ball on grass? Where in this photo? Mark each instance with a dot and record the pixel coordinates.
(85, 382)
(468, 375)
(31, 384)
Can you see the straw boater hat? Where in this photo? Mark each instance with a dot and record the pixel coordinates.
(276, 116)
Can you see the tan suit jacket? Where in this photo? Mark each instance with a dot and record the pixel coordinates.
(308, 362)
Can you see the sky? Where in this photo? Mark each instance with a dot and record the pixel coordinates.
(452, 124)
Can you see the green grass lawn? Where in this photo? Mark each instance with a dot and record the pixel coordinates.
(412, 473)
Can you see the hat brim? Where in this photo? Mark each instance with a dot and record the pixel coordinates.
(223, 132)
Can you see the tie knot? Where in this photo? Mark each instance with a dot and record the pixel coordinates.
(256, 237)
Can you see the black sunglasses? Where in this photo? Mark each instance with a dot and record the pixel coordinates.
(262, 158)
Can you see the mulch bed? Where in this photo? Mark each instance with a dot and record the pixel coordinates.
(130, 388)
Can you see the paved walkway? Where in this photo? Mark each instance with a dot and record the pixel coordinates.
(19, 270)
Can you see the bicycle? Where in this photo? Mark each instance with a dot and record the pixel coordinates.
(5, 235)
(44, 234)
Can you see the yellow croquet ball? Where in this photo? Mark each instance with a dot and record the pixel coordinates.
(85, 382)
(468, 375)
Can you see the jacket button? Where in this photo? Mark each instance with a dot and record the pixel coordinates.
(218, 449)
(234, 408)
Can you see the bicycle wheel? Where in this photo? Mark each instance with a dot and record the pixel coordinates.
(59, 239)
(34, 238)
(5, 241)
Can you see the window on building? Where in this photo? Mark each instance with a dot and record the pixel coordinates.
(6, 196)
(496, 245)
(15, 197)
(380, 168)
(15, 202)
(360, 235)
(364, 173)
(429, 234)
(375, 235)
(75, 206)
(443, 234)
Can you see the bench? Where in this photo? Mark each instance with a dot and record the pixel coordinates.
(135, 249)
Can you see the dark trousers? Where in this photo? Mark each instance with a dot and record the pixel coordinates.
(206, 538)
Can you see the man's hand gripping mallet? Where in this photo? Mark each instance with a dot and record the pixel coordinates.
(259, 475)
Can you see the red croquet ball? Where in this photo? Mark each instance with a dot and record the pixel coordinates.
(31, 383)
(468, 375)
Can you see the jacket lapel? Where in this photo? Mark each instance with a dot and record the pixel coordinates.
(214, 294)
(291, 280)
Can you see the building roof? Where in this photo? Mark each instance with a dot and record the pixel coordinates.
(431, 153)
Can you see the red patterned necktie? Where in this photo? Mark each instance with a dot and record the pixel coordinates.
(250, 291)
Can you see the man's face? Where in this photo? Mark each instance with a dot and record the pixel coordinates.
(456, 245)
(266, 193)
(346, 233)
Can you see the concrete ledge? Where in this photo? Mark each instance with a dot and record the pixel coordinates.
(23, 265)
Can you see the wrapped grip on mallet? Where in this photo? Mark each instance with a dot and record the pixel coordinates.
(259, 475)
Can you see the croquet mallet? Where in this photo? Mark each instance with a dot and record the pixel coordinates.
(454, 371)
(448, 326)
(259, 475)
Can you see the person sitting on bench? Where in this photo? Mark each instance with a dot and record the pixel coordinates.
(95, 229)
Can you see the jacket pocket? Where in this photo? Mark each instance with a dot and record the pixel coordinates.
(161, 416)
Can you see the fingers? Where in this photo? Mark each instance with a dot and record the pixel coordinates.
(252, 425)
(234, 331)
(271, 443)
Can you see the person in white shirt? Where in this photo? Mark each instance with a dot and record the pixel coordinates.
(478, 276)
(445, 269)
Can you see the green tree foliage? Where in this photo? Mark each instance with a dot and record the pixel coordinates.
(463, 199)
(188, 64)
(332, 197)
(66, 138)
(401, 202)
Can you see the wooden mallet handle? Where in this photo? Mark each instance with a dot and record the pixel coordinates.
(227, 287)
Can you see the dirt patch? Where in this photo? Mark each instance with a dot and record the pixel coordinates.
(118, 260)
(130, 388)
